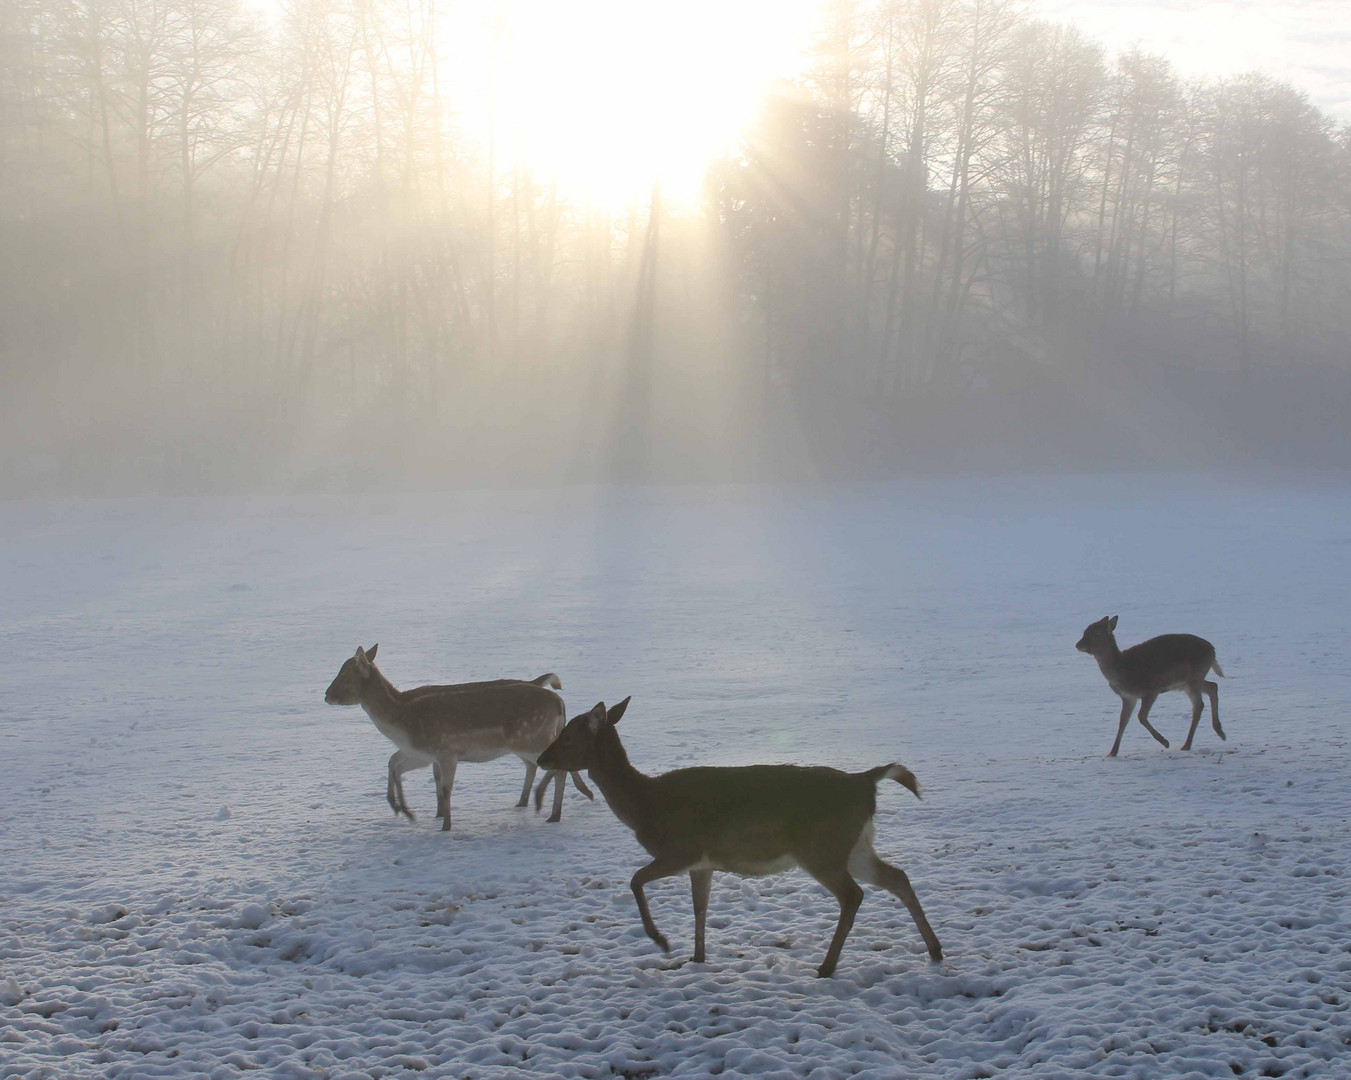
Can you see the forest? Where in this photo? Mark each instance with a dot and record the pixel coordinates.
(243, 251)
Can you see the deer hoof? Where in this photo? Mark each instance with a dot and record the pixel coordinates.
(554, 819)
(825, 971)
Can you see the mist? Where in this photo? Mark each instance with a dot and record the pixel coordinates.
(388, 385)
(288, 251)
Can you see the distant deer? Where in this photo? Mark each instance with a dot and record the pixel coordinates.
(751, 820)
(444, 725)
(1143, 672)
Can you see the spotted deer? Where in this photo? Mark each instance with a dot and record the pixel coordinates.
(1144, 671)
(750, 820)
(444, 725)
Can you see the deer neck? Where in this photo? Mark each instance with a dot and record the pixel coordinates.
(624, 787)
(383, 703)
(1109, 660)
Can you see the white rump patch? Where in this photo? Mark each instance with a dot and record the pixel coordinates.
(862, 857)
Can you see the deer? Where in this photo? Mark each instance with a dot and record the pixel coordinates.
(1144, 671)
(444, 725)
(752, 820)
(401, 762)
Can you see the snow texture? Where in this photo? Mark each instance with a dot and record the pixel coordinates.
(199, 875)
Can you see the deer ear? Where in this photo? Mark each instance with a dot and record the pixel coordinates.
(614, 714)
(596, 717)
(370, 653)
(1111, 623)
(363, 664)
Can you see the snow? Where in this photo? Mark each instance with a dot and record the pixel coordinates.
(199, 875)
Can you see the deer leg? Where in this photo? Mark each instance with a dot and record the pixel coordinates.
(576, 779)
(398, 765)
(659, 867)
(1127, 704)
(443, 788)
(1197, 707)
(442, 806)
(1213, 689)
(560, 778)
(1145, 706)
(875, 871)
(701, 882)
(530, 769)
(850, 895)
(391, 778)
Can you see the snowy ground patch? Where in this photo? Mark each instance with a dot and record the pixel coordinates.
(199, 874)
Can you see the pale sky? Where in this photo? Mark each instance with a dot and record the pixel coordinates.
(606, 94)
(1305, 42)
(676, 80)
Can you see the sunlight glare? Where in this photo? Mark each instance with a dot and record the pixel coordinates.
(610, 95)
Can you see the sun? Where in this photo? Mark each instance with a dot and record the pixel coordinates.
(610, 96)
(605, 97)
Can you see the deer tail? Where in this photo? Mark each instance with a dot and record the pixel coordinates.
(550, 680)
(1215, 667)
(895, 771)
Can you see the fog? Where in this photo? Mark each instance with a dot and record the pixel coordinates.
(289, 251)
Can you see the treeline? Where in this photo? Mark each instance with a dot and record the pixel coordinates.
(236, 254)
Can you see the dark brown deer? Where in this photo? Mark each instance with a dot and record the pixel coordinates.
(751, 820)
(1143, 672)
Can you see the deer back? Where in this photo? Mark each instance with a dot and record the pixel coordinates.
(478, 722)
(755, 818)
(1164, 663)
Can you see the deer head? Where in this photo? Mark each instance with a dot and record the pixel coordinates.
(1098, 639)
(352, 676)
(575, 748)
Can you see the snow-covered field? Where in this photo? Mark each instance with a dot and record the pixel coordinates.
(199, 875)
